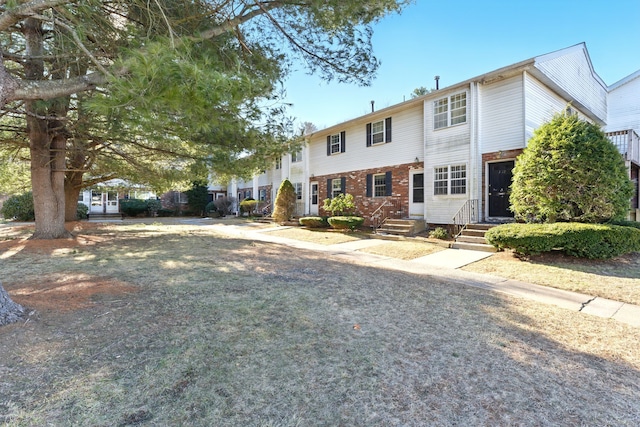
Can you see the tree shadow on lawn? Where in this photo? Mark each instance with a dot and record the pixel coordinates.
(234, 332)
(623, 266)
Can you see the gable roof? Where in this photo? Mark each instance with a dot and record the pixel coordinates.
(624, 81)
(491, 76)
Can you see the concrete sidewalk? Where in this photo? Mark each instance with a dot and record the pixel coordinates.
(446, 265)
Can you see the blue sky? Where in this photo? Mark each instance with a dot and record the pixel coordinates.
(461, 39)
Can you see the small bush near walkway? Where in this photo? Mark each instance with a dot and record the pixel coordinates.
(576, 239)
(19, 207)
(345, 222)
(313, 222)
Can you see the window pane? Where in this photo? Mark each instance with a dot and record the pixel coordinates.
(335, 143)
(336, 187)
(459, 179)
(459, 108)
(379, 185)
(377, 132)
(440, 109)
(440, 180)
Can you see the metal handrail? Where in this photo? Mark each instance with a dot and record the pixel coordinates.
(467, 214)
(383, 213)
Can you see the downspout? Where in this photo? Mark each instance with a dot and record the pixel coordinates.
(475, 171)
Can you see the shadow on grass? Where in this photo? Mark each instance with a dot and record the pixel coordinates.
(229, 331)
(624, 266)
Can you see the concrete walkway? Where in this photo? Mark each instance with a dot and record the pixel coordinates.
(446, 264)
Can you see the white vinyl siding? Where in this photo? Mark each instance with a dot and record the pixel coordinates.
(408, 142)
(502, 115)
(572, 71)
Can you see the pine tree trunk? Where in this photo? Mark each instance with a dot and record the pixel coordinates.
(10, 312)
(47, 150)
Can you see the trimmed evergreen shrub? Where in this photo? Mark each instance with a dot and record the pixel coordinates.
(82, 211)
(19, 207)
(570, 171)
(153, 206)
(576, 239)
(313, 222)
(345, 222)
(133, 207)
(285, 204)
(211, 210)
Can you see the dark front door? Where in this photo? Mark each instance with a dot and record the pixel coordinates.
(499, 182)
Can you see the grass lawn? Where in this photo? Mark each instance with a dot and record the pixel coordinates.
(178, 325)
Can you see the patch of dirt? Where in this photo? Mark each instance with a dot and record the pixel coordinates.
(63, 293)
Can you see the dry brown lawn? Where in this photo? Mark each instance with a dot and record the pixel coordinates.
(617, 279)
(181, 325)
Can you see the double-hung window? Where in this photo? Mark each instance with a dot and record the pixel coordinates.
(336, 143)
(450, 111)
(296, 157)
(450, 180)
(279, 163)
(379, 132)
(336, 186)
(379, 184)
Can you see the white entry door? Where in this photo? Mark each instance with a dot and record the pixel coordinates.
(313, 195)
(416, 194)
(104, 202)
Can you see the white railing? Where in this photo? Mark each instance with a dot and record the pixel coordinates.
(628, 144)
(467, 214)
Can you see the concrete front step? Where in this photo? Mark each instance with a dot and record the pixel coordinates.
(474, 246)
(471, 239)
(403, 227)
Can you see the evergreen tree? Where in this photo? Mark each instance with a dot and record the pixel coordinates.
(285, 204)
(570, 171)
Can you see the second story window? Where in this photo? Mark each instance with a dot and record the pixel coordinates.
(296, 157)
(336, 143)
(379, 132)
(450, 111)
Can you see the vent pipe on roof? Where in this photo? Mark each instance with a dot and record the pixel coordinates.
(437, 78)
(373, 103)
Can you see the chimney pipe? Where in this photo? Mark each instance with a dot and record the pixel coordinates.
(437, 82)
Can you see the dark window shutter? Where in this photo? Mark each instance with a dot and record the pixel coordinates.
(387, 184)
(387, 129)
(369, 184)
(329, 145)
(343, 185)
(328, 188)
(368, 134)
(343, 138)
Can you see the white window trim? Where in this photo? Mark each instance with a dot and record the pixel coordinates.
(449, 108)
(383, 186)
(334, 188)
(381, 132)
(450, 179)
(298, 188)
(296, 157)
(337, 143)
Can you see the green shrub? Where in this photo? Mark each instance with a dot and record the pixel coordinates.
(439, 233)
(166, 212)
(285, 204)
(342, 204)
(248, 206)
(313, 222)
(211, 210)
(153, 206)
(576, 239)
(19, 207)
(625, 223)
(82, 211)
(133, 207)
(345, 222)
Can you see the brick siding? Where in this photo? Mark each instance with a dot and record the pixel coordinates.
(356, 185)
